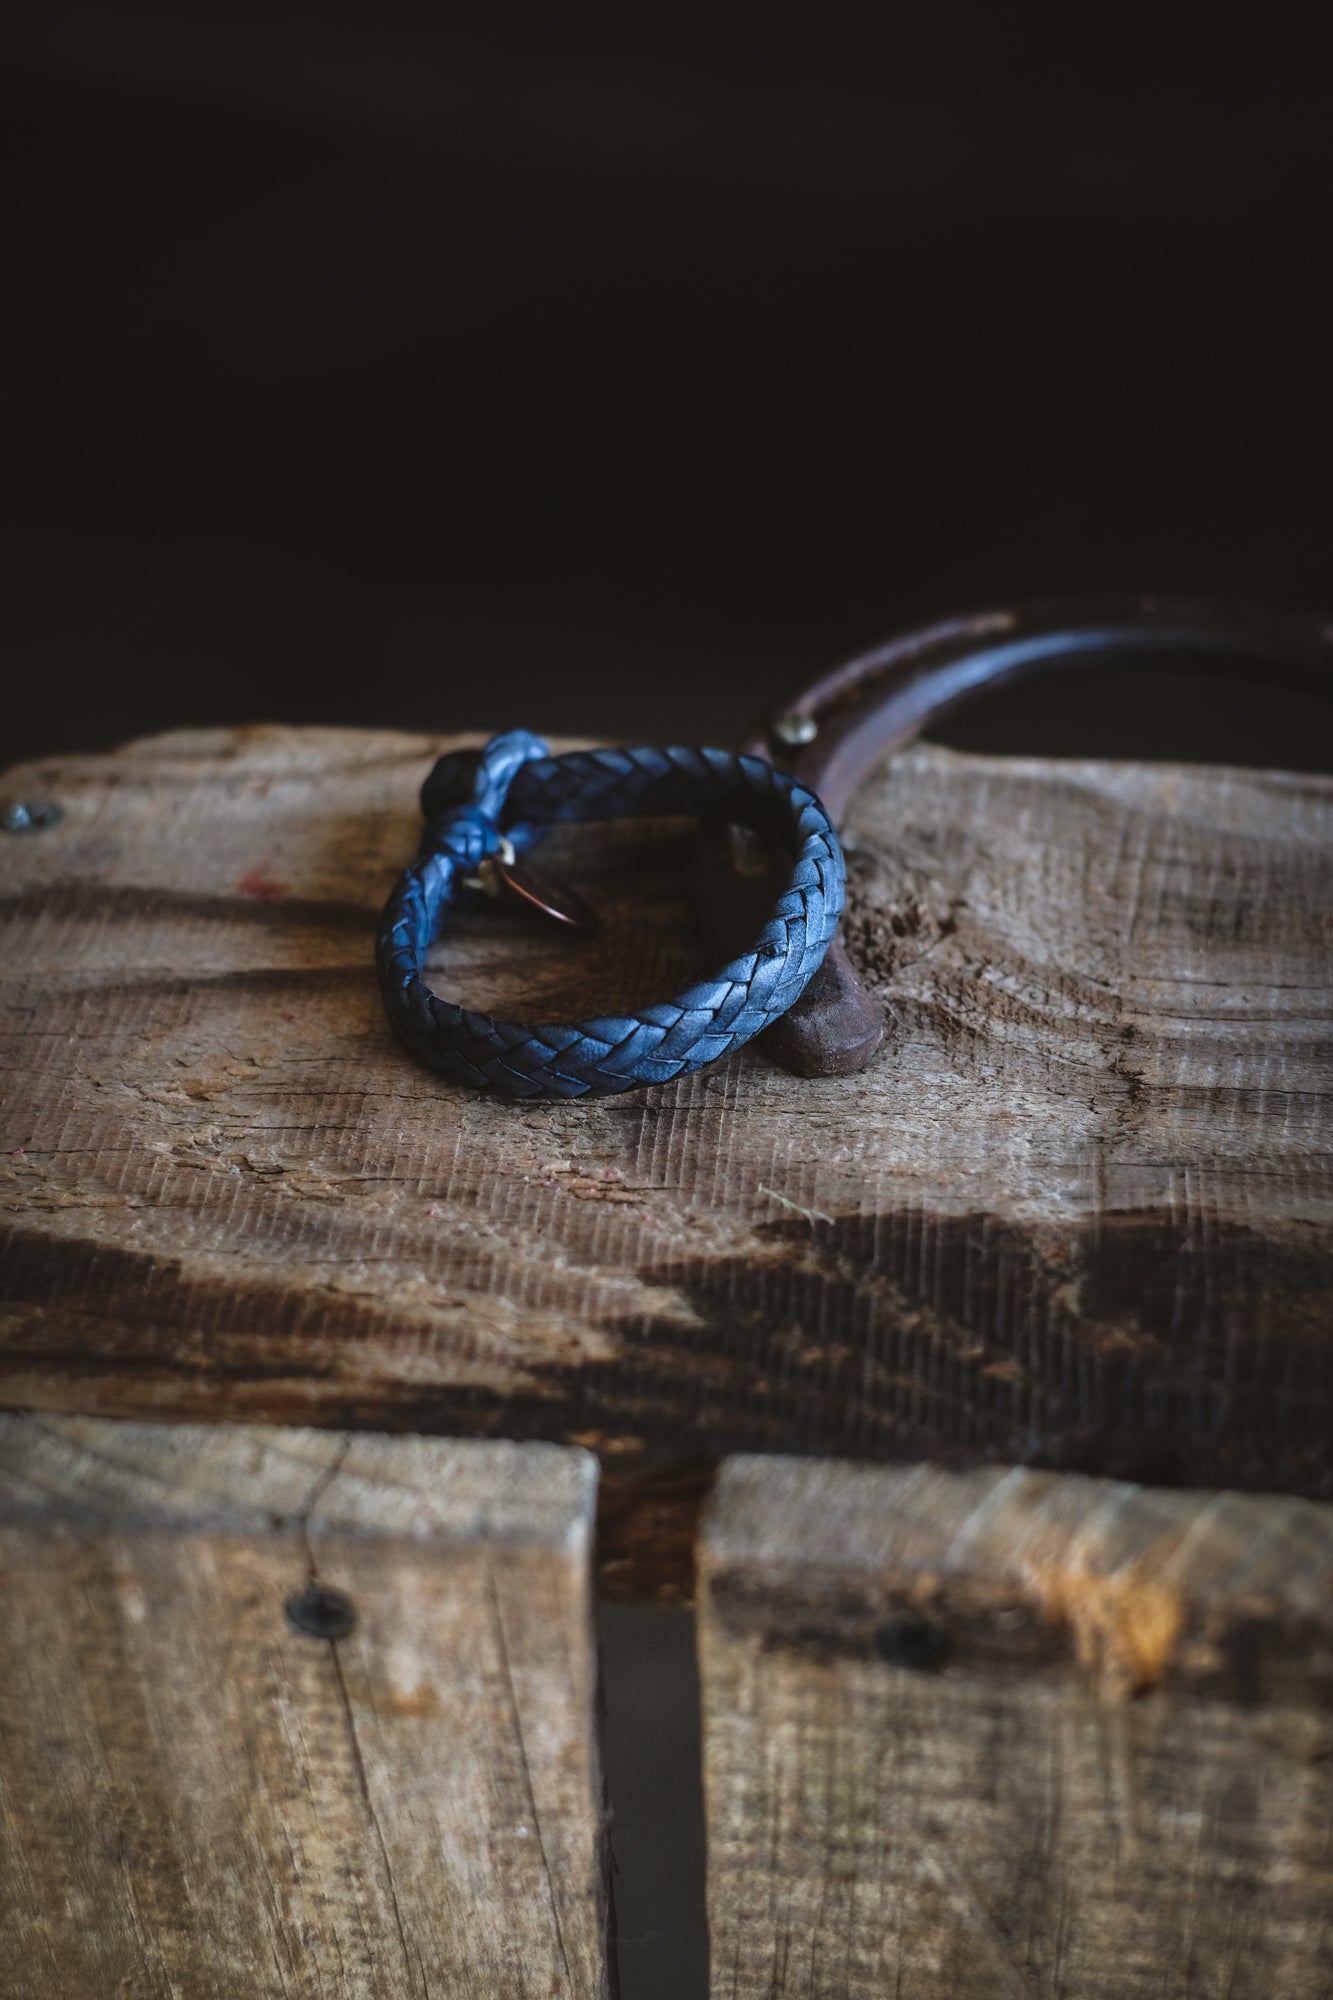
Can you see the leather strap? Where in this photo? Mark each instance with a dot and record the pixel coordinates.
(831, 733)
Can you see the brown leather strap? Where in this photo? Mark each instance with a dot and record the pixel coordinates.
(831, 733)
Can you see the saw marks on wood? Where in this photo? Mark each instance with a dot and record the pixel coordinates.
(1077, 1212)
(198, 1799)
(1015, 1734)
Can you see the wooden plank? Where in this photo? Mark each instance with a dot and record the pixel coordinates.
(1078, 1211)
(1017, 1734)
(197, 1798)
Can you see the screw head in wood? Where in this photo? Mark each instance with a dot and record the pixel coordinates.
(321, 1612)
(908, 1640)
(31, 815)
(792, 729)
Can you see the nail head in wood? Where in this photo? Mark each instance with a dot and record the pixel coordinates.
(908, 1640)
(321, 1613)
(31, 815)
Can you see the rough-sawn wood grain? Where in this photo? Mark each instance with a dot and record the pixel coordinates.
(1015, 1734)
(197, 1799)
(1076, 1213)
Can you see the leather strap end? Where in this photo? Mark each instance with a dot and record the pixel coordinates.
(835, 1027)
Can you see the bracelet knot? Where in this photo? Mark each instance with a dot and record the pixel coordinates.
(463, 800)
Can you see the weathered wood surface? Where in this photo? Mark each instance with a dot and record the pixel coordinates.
(1078, 1212)
(198, 1799)
(1015, 1734)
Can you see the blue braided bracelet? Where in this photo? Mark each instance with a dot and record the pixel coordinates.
(476, 800)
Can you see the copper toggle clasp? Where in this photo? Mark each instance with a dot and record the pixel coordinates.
(507, 875)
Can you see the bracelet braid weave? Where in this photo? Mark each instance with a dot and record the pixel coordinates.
(473, 801)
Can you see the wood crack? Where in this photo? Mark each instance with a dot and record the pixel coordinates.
(516, 1722)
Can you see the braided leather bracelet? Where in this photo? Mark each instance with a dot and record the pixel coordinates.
(477, 804)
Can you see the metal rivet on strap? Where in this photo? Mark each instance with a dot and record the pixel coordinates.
(793, 729)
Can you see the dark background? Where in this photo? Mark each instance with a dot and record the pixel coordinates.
(608, 369)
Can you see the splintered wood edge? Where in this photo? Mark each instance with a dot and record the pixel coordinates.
(1146, 1584)
(260, 1478)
